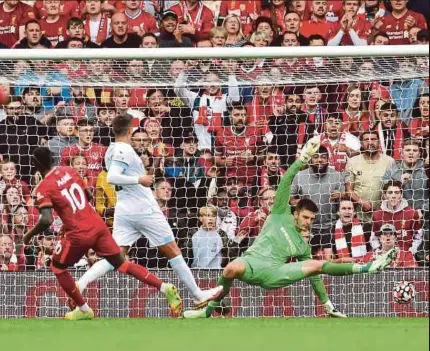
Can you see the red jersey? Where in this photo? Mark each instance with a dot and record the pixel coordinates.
(201, 17)
(252, 224)
(356, 124)
(230, 144)
(246, 10)
(62, 189)
(334, 10)
(406, 220)
(55, 31)
(144, 20)
(94, 154)
(11, 21)
(278, 13)
(419, 127)
(360, 26)
(396, 28)
(73, 69)
(68, 8)
(324, 28)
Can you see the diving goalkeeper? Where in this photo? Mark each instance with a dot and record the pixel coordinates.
(263, 264)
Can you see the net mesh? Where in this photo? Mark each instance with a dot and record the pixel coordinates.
(218, 135)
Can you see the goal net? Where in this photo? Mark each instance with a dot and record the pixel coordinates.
(219, 129)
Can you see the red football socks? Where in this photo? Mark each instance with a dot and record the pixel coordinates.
(140, 273)
(69, 286)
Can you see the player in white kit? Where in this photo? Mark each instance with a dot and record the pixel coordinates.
(137, 213)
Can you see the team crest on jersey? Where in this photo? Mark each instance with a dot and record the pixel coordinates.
(13, 21)
(39, 196)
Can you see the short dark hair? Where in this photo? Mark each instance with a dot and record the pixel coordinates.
(26, 90)
(411, 141)
(322, 150)
(394, 183)
(73, 21)
(389, 106)
(139, 130)
(423, 35)
(151, 92)
(151, 35)
(31, 22)
(307, 204)
(237, 106)
(263, 19)
(374, 132)
(121, 124)
(291, 33)
(106, 107)
(381, 34)
(68, 41)
(335, 115)
(317, 37)
(43, 159)
(83, 122)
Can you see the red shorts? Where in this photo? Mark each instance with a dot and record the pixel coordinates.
(72, 247)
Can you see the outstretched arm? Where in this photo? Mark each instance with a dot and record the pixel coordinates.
(44, 222)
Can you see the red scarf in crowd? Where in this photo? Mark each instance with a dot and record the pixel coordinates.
(264, 179)
(101, 34)
(358, 242)
(337, 159)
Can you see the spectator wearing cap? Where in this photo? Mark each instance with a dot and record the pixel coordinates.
(391, 131)
(140, 21)
(65, 127)
(170, 35)
(75, 29)
(397, 23)
(97, 23)
(325, 187)
(318, 23)
(195, 19)
(19, 136)
(351, 29)
(410, 171)
(93, 152)
(54, 25)
(103, 133)
(349, 238)
(33, 37)
(121, 38)
(341, 145)
(78, 107)
(209, 106)
(291, 130)
(388, 240)
(8, 261)
(395, 210)
(363, 175)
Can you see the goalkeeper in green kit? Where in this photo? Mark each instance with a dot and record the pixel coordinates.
(263, 264)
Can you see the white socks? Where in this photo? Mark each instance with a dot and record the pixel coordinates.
(184, 273)
(84, 308)
(99, 269)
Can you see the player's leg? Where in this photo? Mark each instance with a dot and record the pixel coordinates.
(65, 255)
(234, 270)
(124, 235)
(159, 234)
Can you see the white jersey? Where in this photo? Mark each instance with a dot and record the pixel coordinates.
(133, 198)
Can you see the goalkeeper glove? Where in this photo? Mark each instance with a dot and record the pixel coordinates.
(333, 312)
(310, 149)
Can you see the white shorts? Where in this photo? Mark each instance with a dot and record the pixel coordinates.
(127, 229)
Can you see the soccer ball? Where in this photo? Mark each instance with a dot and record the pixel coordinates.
(404, 292)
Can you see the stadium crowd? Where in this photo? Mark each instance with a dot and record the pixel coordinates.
(218, 150)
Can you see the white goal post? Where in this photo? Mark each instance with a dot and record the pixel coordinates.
(289, 95)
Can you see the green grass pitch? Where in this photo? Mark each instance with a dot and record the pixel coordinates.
(295, 334)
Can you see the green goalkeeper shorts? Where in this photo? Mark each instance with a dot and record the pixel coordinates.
(269, 274)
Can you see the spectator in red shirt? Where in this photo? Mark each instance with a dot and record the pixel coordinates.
(388, 240)
(68, 8)
(299, 7)
(398, 23)
(318, 23)
(246, 10)
(170, 35)
(195, 19)
(93, 152)
(97, 23)
(237, 145)
(54, 26)
(78, 108)
(352, 29)
(13, 17)
(140, 21)
(7, 258)
(75, 29)
(419, 127)
(391, 131)
(252, 224)
(271, 173)
(395, 210)
(239, 200)
(8, 177)
(355, 116)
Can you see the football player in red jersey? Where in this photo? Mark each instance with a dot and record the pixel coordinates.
(62, 190)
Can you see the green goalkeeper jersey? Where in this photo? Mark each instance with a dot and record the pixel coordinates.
(279, 239)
